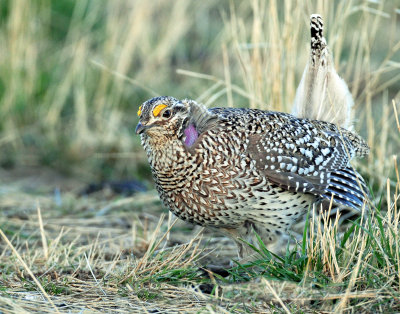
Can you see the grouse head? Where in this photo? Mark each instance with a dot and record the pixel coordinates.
(165, 118)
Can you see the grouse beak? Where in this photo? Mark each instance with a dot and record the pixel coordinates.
(140, 128)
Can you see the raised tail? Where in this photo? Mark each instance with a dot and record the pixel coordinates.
(322, 94)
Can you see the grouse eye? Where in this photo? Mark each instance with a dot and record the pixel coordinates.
(167, 113)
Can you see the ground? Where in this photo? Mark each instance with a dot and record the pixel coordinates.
(68, 252)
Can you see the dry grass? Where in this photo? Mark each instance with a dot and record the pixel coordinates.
(71, 77)
(131, 258)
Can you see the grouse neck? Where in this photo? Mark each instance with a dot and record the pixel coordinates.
(167, 156)
(191, 135)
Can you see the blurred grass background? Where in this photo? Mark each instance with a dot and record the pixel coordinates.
(73, 73)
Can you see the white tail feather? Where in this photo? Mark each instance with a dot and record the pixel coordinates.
(322, 94)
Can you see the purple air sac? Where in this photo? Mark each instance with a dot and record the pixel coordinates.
(191, 135)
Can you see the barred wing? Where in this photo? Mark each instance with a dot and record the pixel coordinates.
(302, 157)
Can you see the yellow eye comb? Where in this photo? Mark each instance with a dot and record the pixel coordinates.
(157, 109)
(139, 111)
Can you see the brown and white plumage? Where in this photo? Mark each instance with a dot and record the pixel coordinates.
(322, 94)
(239, 170)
